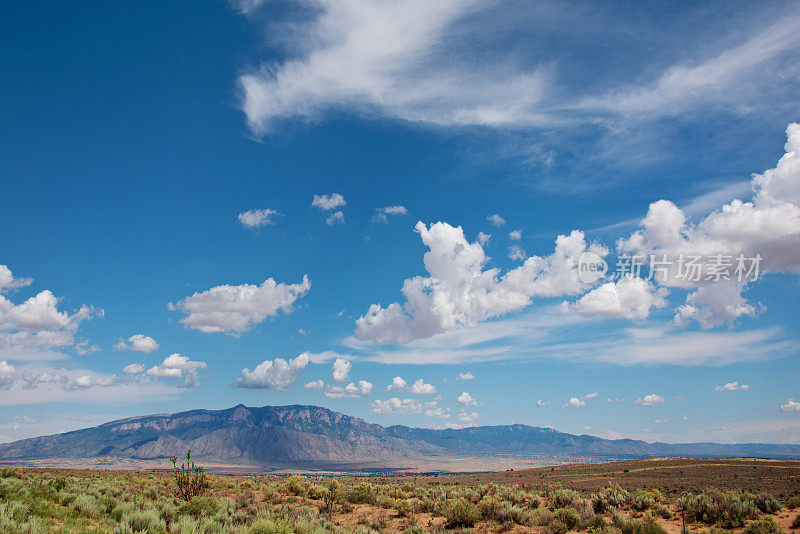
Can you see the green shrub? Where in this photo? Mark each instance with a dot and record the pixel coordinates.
(317, 492)
(87, 505)
(642, 526)
(766, 503)
(120, 510)
(403, 508)
(294, 485)
(728, 508)
(490, 507)
(766, 525)
(199, 507)
(568, 516)
(282, 526)
(563, 497)
(793, 501)
(557, 527)
(148, 521)
(462, 513)
(610, 497)
(361, 493)
(415, 529)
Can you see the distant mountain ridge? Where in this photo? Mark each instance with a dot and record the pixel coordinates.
(315, 437)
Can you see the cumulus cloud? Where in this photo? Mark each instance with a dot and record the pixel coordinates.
(736, 244)
(236, 309)
(629, 297)
(515, 235)
(397, 406)
(790, 406)
(278, 374)
(732, 386)
(574, 402)
(465, 376)
(35, 328)
(9, 281)
(649, 400)
(133, 369)
(459, 291)
(496, 219)
(328, 202)
(137, 343)
(257, 218)
(177, 366)
(382, 214)
(484, 238)
(351, 390)
(315, 385)
(397, 384)
(419, 387)
(542, 403)
(465, 399)
(7, 373)
(341, 369)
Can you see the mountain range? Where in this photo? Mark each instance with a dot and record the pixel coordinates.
(311, 437)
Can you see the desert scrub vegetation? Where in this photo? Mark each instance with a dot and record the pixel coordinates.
(34, 501)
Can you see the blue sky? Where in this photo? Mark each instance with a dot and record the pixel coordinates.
(194, 192)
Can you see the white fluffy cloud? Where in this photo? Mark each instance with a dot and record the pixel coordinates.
(574, 402)
(351, 390)
(768, 227)
(458, 291)
(276, 374)
(515, 235)
(133, 369)
(257, 218)
(397, 384)
(790, 406)
(397, 406)
(35, 328)
(315, 385)
(7, 373)
(341, 369)
(419, 387)
(177, 366)
(732, 386)
(465, 376)
(382, 214)
(328, 202)
(651, 399)
(542, 403)
(236, 309)
(9, 281)
(138, 343)
(465, 399)
(629, 297)
(484, 238)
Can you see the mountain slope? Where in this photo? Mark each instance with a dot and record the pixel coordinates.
(304, 436)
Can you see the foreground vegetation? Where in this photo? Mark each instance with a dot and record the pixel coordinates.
(33, 501)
